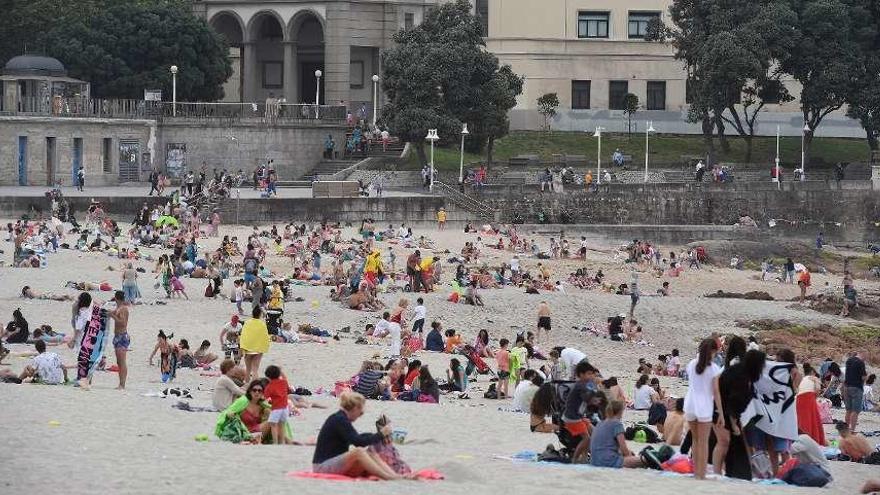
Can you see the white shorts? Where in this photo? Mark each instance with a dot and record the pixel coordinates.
(279, 416)
(689, 417)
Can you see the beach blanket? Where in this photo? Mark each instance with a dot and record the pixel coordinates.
(772, 409)
(92, 347)
(424, 475)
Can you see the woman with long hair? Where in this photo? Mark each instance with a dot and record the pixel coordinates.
(809, 419)
(541, 407)
(698, 402)
(735, 388)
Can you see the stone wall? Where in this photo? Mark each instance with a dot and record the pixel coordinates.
(295, 148)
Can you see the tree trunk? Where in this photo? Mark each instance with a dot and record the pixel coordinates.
(722, 137)
(490, 148)
(872, 139)
(708, 139)
(808, 139)
(420, 152)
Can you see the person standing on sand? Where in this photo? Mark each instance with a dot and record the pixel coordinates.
(634, 293)
(789, 271)
(254, 342)
(804, 283)
(849, 294)
(544, 321)
(441, 219)
(699, 403)
(121, 339)
(853, 389)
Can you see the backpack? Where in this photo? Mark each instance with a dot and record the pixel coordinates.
(492, 393)
(807, 475)
(650, 435)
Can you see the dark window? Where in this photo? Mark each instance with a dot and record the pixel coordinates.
(771, 92)
(638, 23)
(617, 91)
(409, 20)
(593, 24)
(482, 11)
(580, 95)
(656, 95)
(273, 75)
(106, 164)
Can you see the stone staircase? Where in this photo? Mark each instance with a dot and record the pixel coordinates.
(467, 203)
(328, 167)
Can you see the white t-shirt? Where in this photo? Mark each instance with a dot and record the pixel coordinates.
(699, 400)
(48, 366)
(394, 332)
(523, 395)
(382, 328)
(673, 363)
(569, 358)
(514, 265)
(419, 312)
(642, 399)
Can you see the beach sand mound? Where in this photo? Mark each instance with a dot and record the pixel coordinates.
(815, 343)
(754, 295)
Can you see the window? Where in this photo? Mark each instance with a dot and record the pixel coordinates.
(580, 95)
(617, 91)
(656, 95)
(482, 11)
(638, 23)
(593, 25)
(772, 92)
(273, 75)
(356, 74)
(106, 164)
(409, 20)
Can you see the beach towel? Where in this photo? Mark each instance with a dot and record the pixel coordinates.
(424, 475)
(92, 346)
(773, 406)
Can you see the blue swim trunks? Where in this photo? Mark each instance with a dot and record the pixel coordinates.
(121, 341)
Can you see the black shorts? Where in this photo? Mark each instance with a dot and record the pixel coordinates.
(583, 251)
(544, 322)
(503, 375)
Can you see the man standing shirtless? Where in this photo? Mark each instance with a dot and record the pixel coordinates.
(121, 340)
(544, 321)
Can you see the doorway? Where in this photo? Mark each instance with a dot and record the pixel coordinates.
(308, 82)
(77, 158)
(22, 160)
(50, 161)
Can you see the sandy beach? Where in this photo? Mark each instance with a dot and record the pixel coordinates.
(59, 439)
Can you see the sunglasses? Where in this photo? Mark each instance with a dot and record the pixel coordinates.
(256, 390)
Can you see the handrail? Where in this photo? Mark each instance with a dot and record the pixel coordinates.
(464, 201)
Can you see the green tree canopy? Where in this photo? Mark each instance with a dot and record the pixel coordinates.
(124, 46)
(439, 75)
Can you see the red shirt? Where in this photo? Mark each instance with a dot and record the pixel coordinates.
(411, 377)
(276, 393)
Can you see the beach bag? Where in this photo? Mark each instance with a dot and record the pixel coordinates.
(388, 453)
(825, 411)
(209, 290)
(492, 393)
(426, 399)
(650, 436)
(453, 297)
(680, 464)
(341, 387)
(408, 395)
(761, 467)
(233, 430)
(807, 475)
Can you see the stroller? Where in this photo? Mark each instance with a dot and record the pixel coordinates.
(569, 442)
(475, 362)
(273, 321)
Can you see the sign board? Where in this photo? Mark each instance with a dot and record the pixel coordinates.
(175, 159)
(153, 95)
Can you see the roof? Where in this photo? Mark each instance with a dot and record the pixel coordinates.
(34, 65)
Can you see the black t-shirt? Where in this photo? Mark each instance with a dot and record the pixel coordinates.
(615, 325)
(855, 372)
(577, 401)
(736, 390)
(337, 435)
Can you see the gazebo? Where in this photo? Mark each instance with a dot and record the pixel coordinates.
(38, 84)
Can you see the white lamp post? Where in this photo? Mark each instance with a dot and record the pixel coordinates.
(648, 131)
(174, 90)
(804, 132)
(598, 134)
(432, 137)
(464, 132)
(778, 183)
(375, 97)
(318, 75)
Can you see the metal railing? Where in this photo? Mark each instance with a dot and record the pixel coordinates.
(81, 107)
(465, 202)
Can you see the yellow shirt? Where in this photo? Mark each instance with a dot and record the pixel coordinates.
(374, 262)
(254, 337)
(276, 299)
(441, 216)
(426, 264)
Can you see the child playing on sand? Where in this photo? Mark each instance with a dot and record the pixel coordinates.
(419, 315)
(177, 287)
(238, 295)
(502, 359)
(607, 444)
(276, 393)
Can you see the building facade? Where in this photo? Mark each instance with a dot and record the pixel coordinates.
(278, 45)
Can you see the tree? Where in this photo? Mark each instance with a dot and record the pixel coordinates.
(863, 101)
(125, 46)
(547, 105)
(823, 60)
(630, 107)
(439, 75)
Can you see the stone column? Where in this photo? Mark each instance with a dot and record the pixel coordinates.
(337, 54)
(249, 69)
(290, 71)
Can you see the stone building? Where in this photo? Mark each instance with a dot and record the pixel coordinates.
(277, 45)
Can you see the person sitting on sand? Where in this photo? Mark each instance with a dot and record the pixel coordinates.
(481, 345)
(228, 388)
(46, 367)
(541, 407)
(203, 356)
(675, 425)
(333, 452)
(434, 340)
(453, 342)
(852, 445)
(607, 444)
(245, 420)
(525, 391)
(456, 378)
(472, 296)
(614, 391)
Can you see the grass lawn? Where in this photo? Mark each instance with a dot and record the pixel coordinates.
(666, 150)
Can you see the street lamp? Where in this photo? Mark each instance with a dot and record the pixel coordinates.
(318, 75)
(806, 129)
(432, 137)
(648, 131)
(173, 90)
(778, 183)
(375, 97)
(464, 132)
(598, 134)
